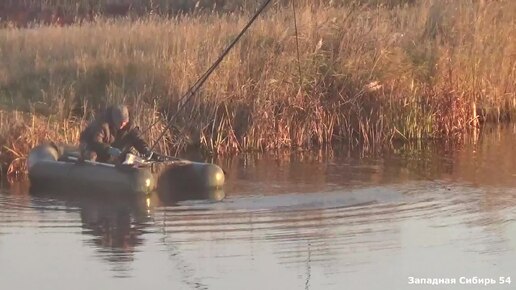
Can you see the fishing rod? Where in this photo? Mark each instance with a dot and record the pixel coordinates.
(188, 96)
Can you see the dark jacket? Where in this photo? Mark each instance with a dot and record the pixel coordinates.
(100, 134)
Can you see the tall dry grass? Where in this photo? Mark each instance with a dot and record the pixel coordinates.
(78, 8)
(368, 75)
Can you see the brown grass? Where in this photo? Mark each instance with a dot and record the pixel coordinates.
(369, 75)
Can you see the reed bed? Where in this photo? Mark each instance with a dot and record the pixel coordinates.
(366, 75)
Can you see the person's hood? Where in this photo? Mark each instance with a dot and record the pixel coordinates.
(119, 114)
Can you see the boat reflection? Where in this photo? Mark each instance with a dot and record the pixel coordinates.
(171, 197)
(113, 225)
(117, 226)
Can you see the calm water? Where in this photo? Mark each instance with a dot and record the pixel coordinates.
(303, 221)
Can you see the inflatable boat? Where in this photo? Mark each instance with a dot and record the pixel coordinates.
(57, 168)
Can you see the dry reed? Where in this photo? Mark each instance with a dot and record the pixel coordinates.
(369, 75)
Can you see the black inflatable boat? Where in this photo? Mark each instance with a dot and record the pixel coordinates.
(56, 168)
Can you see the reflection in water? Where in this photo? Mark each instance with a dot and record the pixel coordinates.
(116, 224)
(312, 221)
(308, 268)
(117, 227)
(487, 160)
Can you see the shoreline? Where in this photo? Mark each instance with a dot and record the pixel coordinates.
(29, 130)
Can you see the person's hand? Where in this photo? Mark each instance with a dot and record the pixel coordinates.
(147, 154)
(114, 152)
(158, 158)
(153, 156)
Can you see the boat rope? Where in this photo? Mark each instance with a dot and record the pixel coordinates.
(188, 96)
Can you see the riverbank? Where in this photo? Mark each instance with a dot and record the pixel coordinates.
(365, 76)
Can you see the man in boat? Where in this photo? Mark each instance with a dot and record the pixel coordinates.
(108, 136)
